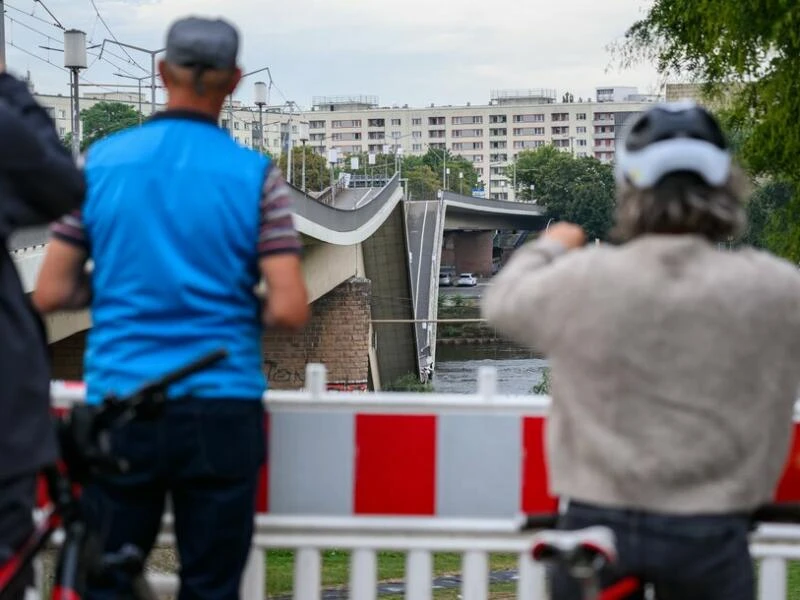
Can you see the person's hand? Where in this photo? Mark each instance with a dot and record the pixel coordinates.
(568, 234)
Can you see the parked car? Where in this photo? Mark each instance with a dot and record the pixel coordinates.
(467, 280)
(445, 279)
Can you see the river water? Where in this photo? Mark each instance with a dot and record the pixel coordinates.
(518, 370)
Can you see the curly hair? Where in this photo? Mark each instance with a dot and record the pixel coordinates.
(682, 203)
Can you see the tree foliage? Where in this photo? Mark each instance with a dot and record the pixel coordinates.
(749, 49)
(579, 190)
(317, 171)
(105, 118)
(748, 54)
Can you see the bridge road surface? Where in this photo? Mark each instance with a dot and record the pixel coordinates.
(421, 225)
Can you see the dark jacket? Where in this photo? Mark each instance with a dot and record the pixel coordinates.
(39, 182)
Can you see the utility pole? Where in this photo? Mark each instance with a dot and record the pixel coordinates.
(152, 54)
(2, 33)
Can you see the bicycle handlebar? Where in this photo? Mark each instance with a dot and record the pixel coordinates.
(768, 513)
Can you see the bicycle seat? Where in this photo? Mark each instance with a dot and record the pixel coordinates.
(573, 547)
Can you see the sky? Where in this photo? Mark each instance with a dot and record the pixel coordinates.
(414, 52)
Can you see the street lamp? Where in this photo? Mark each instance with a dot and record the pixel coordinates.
(461, 182)
(303, 140)
(261, 100)
(139, 79)
(75, 60)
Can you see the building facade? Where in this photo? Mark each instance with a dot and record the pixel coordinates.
(489, 136)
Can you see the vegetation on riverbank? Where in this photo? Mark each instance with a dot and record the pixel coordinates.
(456, 306)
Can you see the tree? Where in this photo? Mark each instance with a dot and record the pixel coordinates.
(580, 190)
(317, 171)
(748, 49)
(423, 182)
(105, 118)
(434, 158)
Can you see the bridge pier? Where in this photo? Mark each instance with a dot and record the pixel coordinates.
(338, 335)
(468, 251)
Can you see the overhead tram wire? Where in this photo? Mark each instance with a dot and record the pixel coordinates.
(114, 37)
(49, 12)
(32, 16)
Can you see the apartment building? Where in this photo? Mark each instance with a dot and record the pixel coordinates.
(243, 122)
(489, 136)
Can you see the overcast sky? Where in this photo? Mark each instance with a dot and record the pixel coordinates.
(412, 52)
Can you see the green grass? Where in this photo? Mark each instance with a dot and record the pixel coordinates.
(391, 567)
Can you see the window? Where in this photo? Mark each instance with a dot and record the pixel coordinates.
(62, 114)
(529, 131)
(396, 122)
(416, 135)
(416, 147)
(581, 116)
(467, 133)
(560, 130)
(559, 116)
(62, 131)
(436, 133)
(396, 135)
(476, 120)
(497, 145)
(476, 158)
(346, 124)
(580, 129)
(498, 132)
(376, 122)
(247, 126)
(437, 146)
(497, 118)
(317, 137)
(529, 144)
(352, 135)
(475, 145)
(479, 171)
(376, 135)
(498, 157)
(458, 146)
(416, 121)
(316, 124)
(561, 143)
(530, 118)
(435, 120)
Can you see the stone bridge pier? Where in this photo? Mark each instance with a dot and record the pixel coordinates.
(339, 335)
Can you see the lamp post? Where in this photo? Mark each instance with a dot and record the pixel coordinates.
(75, 60)
(261, 100)
(303, 140)
(138, 79)
(461, 182)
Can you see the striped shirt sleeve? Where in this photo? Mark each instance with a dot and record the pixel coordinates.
(277, 233)
(69, 228)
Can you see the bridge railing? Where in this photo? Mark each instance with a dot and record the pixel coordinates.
(460, 519)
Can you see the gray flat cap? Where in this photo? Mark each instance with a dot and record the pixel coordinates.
(205, 43)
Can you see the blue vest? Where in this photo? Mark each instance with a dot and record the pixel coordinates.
(172, 221)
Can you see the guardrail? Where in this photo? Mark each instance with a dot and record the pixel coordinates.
(473, 535)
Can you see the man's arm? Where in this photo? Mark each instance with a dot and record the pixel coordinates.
(63, 282)
(280, 250)
(41, 171)
(524, 297)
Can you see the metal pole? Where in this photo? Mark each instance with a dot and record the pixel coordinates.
(140, 102)
(515, 180)
(289, 145)
(76, 115)
(261, 126)
(303, 184)
(333, 187)
(153, 81)
(230, 114)
(2, 33)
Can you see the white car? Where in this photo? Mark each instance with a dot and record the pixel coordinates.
(467, 280)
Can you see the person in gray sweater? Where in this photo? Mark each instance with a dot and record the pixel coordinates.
(674, 363)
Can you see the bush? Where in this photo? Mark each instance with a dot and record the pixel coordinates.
(408, 383)
(543, 387)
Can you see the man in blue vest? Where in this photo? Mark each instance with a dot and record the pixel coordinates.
(179, 222)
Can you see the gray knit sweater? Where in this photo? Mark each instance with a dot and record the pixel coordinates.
(675, 367)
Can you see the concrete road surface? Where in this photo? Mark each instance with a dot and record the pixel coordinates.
(421, 223)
